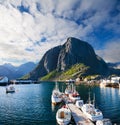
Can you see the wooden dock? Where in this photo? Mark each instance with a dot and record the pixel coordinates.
(78, 116)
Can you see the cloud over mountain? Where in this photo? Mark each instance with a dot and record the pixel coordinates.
(30, 27)
(111, 51)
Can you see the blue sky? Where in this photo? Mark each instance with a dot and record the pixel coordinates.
(28, 28)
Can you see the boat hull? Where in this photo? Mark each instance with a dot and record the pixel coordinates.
(93, 118)
(10, 89)
(7, 91)
(63, 116)
(92, 114)
(63, 122)
(104, 122)
(56, 100)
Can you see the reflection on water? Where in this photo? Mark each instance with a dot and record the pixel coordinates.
(53, 107)
(109, 101)
(31, 104)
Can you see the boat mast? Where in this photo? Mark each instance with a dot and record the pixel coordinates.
(56, 86)
(62, 88)
(94, 99)
(72, 88)
(89, 100)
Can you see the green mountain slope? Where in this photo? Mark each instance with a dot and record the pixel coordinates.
(74, 71)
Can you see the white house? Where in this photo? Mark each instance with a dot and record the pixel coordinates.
(3, 79)
(115, 79)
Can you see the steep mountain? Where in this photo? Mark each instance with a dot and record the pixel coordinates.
(13, 72)
(61, 58)
(77, 51)
(47, 64)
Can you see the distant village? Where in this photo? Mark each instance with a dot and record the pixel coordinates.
(113, 81)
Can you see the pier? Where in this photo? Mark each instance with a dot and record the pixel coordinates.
(78, 116)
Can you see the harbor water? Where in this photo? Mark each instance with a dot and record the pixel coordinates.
(31, 103)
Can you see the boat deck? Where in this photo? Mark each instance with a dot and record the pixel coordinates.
(78, 116)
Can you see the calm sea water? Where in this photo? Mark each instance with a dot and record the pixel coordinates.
(31, 104)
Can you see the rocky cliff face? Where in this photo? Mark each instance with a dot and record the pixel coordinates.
(77, 51)
(47, 64)
(72, 52)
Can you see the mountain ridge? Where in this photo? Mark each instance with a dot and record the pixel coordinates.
(72, 52)
(13, 72)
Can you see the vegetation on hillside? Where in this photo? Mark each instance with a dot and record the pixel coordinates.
(74, 71)
(49, 76)
(25, 76)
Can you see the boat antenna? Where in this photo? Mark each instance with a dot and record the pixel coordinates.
(56, 85)
(89, 100)
(62, 88)
(94, 99)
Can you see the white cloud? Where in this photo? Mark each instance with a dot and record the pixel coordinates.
(53, 20)
(111, 51)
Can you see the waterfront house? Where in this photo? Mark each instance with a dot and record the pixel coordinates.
(115, 79)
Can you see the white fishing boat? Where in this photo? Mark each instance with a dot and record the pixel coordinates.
(104, 122)
(56, 95)
(10, 89)
(68, 90)
(79, 103)
(91, 112)
(74, 95)
(63, 116)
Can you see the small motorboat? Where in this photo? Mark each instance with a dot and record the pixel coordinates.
(10, 89)
(63, 115)
(104, 122)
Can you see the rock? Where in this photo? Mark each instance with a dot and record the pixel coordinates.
(77, 51)
(47, 64)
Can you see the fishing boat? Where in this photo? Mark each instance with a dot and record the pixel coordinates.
(56, 95)
(10, 89)
(104, 122)
(91, 112)
(68, 90)
(63, 115)
(74, 95)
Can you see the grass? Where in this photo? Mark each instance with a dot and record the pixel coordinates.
(72, 72)
(49, 76)
(25, 77)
